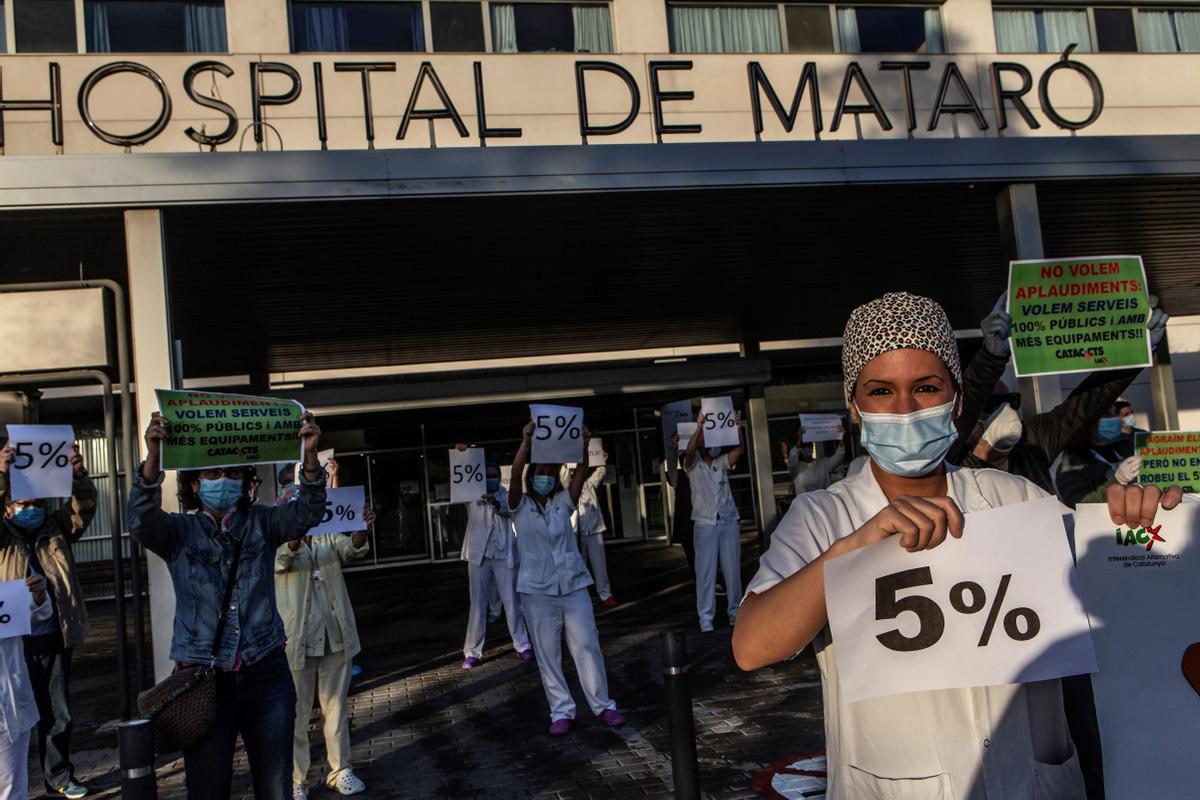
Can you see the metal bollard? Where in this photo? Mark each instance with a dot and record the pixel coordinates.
(135, 749)
(685, 768)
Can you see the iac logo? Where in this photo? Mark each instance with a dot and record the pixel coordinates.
(1140, 536)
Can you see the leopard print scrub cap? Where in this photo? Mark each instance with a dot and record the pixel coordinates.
(896, 321)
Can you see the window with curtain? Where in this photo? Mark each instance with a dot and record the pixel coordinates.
(881, 29)
(44, 26)
(1169, 31)
(1042, 30)
(360, 27)
(551, 28)
(155, 26)
(457, 27)
(725, 29)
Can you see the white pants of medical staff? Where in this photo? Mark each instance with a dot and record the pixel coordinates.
(591, 547)
(493, 572)
(720, 542)
(14, 766)
(549, 618)
(329, 677)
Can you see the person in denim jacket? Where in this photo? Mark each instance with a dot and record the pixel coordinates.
(255, 694)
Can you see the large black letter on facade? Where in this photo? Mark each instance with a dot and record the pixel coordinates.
(447, 111)
(940, 106)
(1000, 94)
(132, 139)
(189, 88)
(53, 104)
(760, 82)
(485, 132)
(258, 100)
(365, 68)
(905, 68)
(658, 97)
(586, 129)
(1093, 83)
(855, 74)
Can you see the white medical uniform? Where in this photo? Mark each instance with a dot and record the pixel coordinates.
(490, 551)
(589, 522)
(717, 538)
(552, 581)
(814, 475)
(950, 744)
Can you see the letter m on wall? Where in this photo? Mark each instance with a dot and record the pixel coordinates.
(760, 85)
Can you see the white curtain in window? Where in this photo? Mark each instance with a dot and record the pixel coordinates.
(1066, 27)
(726, 29)
(848, 30)
(96, 19)
(593, 34)
(933, 31)
(204, 27)
(1187, 29)
(504, 28)
(1156, 33)
(1016, 31)
(328, 29)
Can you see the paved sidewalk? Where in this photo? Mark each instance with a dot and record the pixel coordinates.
(422, 727)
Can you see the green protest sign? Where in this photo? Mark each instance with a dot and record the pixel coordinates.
(1170, 458)
(1078, 315)
(220, 430)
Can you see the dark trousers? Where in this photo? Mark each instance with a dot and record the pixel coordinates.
(259, 702)
(50, 674)
(1079, 704)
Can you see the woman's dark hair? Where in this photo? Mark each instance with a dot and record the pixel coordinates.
(189, 501)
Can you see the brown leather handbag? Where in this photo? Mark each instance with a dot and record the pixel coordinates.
(183, 706)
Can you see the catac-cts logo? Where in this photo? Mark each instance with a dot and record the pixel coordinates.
(1139, 536)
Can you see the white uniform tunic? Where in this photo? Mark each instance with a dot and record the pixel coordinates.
(490, 550)
(716, 536)
(950, 744)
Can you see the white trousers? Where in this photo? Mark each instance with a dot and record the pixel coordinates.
(549, 618)
(591, 547)
(329, 677)
(493, 573)
(14, 766)
(720, 542)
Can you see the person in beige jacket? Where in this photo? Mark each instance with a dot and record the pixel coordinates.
(322, 640)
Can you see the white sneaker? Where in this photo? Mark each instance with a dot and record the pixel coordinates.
(299, 792)
(346, 783)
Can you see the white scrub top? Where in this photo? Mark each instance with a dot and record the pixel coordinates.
(949, 744)
(591, 518)
(550, 560)
(489, 531)
(711, 498)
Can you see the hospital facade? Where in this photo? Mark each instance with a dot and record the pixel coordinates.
(418, 217)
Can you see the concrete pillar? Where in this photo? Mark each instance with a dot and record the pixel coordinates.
(758, 442)
(149, 318)
(1021, 230)
(1162, 388)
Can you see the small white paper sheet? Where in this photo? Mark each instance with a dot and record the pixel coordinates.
(557, 434)
(595, 452)
(821, 428)
(41, 461)
(343, 511)
(14, 609)
(467, 475)
(1000, 605)
(720, 422)
(686, 431)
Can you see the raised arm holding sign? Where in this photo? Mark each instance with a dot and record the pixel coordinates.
(219, 430)
(557, 434)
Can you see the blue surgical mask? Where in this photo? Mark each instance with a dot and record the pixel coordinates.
(1109, 430)
(30, 517)
(910, 445)
(493, 485)
(220, 494)
(713, 452)
(544, 484)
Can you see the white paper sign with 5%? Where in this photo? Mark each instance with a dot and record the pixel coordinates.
(686, 431)
(41, 465)
(467, 473)
(720, 422)
(14, 609)
(343, 511)
(557, 434)
(821, 428)
(997, 606)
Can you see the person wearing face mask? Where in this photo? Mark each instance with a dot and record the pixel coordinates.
(1089, 467)
(902, 384)
(589, 525)
(717, 534)
(18, 707)
(35, 541)
(222, 543)
(810, 472)
(1129, 428)
(552, 582)
(490, 550)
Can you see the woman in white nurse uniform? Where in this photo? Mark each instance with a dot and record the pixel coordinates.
(902, 381)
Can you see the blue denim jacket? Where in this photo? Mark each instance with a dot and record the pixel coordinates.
(199, 553)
